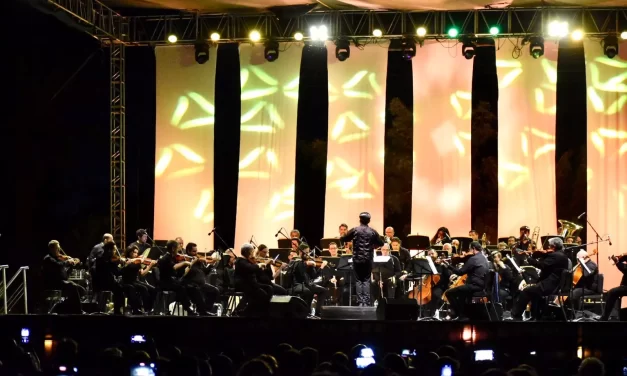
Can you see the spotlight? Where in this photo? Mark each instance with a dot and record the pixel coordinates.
(298, 36)
(319, 33)
(494, 31)
(377, 33)
(623, 35)
(271, 52)
(342, 49)
(577, 34)
(408, 48)
(610, 46)
(453, 32)
(468, 48)
(421, 32)
(255, 36)
(558, 29)
(215, 37)
(536, 47)
(172, 38)
(201, 52)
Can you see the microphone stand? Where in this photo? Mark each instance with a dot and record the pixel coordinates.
(598, 240)
(156, 245)
(221, 252)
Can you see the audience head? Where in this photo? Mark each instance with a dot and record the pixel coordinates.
(591, 367)
(255, 367)
(395, 363)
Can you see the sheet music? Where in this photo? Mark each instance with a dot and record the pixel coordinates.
(381, 259)
(511, 259)
(584, 265)
(434, 270)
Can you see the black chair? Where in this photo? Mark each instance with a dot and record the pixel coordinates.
(594, 298)
(486, 294)
(233, 299)
(565, 289)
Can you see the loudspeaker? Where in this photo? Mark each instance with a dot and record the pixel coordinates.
(397, 309)
(288, 307)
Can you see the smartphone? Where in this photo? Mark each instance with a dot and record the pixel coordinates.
(407, 353)
(447, 370)
(25, 334)
(362, 362)
(138, 338)
(143, 369)
(483, 355)
(367, 353)
(67, 371)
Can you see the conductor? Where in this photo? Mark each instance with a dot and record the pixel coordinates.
(365, 240)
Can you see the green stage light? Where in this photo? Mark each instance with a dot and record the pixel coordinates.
(494, 30)
(453, 32)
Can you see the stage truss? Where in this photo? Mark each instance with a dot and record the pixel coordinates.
(117, 32)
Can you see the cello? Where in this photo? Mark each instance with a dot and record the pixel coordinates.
(578, 271)
(422, 289)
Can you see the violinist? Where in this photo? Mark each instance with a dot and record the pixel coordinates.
(474, 235)
(97, 251)
(169, 265)
(106, 276)
(141, 243)
(256, 295)
(131, 284)
(305, 272)
(265, 275)
(587, 284)
(616, 293)
(455, 247)
(441, 237)
(476, 268)
(522, 245)
(506, 276)
(181, 243)
(388, 287)
(195, 278)
(55, 276)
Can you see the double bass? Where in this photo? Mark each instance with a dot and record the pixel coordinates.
(422, 290)
(578, 271)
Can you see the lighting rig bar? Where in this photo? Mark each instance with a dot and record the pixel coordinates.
(93, 17)
(360, 24)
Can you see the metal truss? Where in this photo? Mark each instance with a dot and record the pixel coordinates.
(359, 24)
(117, 124)
(95, 18)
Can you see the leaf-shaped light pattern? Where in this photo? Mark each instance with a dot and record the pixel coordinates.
(163, 161)
(258, 93)
(263, 76)
(251, 157)
(188, 153)
(250, 114)
(184, 172)
(353, 81)
(203, 203)
(198, 122)
(202, 102)
(180, 110)
(509, 78)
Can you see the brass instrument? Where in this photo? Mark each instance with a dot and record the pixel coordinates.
(569, 229)
(535, 237)
(483, 241)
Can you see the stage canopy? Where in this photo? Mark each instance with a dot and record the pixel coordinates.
(231, 5)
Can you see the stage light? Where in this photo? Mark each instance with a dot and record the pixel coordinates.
(172, 38)
(494, 30)
(271, 52)
(342, 49)
(536, 47)
(453, 32)
(377, 33)
(215, 37)
(421, 32)
(319, 33)
(468, 49)
(408, 48)
(298, 36)
(610, 46)
(623, 35)
(201, 52)
(558, 29)
(577, 34)
(255, 36)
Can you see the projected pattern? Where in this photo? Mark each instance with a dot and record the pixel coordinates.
(607, 152)
(265, 198)
(356, 137)
(526, 140)
(442, 167)
(184, 145)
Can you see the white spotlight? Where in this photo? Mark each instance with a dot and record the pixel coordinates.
(623, 35)
(255, 36)
(421, 32)
(172, 38)
(377, 33)
(298, 36)
(215, 37)
(319, 33)
(558, 29)
(577, 34)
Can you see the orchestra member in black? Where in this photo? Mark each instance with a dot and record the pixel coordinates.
(169, 281)
(265, 275)
(256, 295)
(388, 287)
(437, 291)
(403, 253)
(551, 268)
(131, 284)
(343, 229)
(441, 237)
(195, 276)
(456, 247)
(511, 241)
(97, 251)
(613, 295)
(506, 276)
(476, 268)
(141, 242)
(107, 273)
(365, 241)
(181, 243)
(54, 270)
(474, 235)
(305, 272)
(587, 284)
(295, 234)
(295, 244)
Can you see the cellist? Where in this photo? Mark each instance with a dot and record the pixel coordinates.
(437, 290)
(586, 270)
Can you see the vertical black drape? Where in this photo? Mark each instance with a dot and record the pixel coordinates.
(226, 143)
(399, 141)
(571, 133)
(311, 147)
(484, 147)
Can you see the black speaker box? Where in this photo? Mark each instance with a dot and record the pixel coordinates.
(288, 307)
(397, 309)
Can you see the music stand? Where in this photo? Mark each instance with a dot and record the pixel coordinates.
(464, 243)
(324, 242)
(283, 253)
(423, 267)
(346, 265)
(437, 247)
(384, 266)
(284, 243)
(417, 242)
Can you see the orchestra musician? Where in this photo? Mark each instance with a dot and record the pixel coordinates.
(437, 291)
(578, 240)
(295, 244)
(551, 268)
(106, 279)
(333, 249)
(256, 295)
(170, 265)
(343, 229)
(389, 234)
(587, 284)
(441, 237)
(569, 240)
(476, 267)
(403, 253)
(455, 246)
(474, 235)
(505, 274)
(131, 271)
(295, 234)
(195, 277)
(97, 251)
(522, 245)
(265, 274)
(366, 240)
(502, 246)
(388, 287)
(181, 243)
(142, 238)
(613, 295)
(305, 272)
(54, 270)
(511, 242)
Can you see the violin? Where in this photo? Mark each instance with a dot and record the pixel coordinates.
(142, 261)
(62, 256)
(615, 259)
(320, 260)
